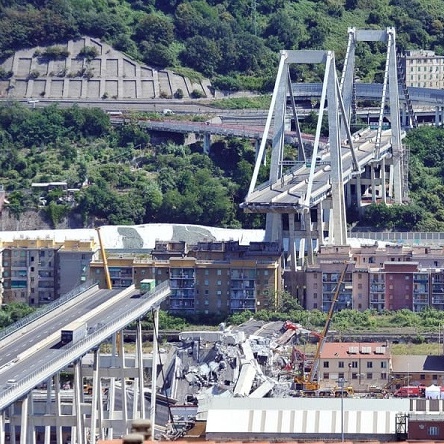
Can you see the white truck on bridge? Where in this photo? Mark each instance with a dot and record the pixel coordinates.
(73, 332)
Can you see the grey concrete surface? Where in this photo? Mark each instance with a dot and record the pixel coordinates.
(110, 76)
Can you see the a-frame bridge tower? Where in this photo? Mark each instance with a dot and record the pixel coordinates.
(306, 195)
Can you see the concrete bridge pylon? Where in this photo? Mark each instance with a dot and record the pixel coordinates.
(336, 119)
(308, 188)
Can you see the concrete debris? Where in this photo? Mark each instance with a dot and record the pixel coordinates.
(231, 363)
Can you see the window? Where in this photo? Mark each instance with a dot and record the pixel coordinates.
(315, 295)
(315, 305)
(326, 364)
(341, 364)
(219, 272)
(326, 376)
(383, 364)
(383, 375)
(422, 377)
(369, 375)
(340, 375)
(369, 364)
(433, 431)
(354, 364)
(206, 282)
(354, 376)
(359, 286)
(219, 282)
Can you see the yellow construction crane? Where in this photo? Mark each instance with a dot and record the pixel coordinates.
(109, 285)
(307, 383)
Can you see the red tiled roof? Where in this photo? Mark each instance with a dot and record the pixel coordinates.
(344, 350)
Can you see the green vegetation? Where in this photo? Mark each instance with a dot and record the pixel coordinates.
(170, 182)
(122, 178)
(259, 102)
(10, 313)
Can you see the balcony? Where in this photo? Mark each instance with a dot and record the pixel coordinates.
(377, 288)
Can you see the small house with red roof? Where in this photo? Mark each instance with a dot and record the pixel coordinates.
(361, 365)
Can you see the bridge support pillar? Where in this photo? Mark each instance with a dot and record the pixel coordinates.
(308, 237)
(207, 143)
(12, 426)
(391, 180)
(48, 405)
(373, 182)
(154, 369)
(383, 178)
(437, 116)
(320, 217)
(111, 400)
(58, 413)
(273, 228)
(139, 356)
(123, 379)
(358, 195)
(2, 427)
(95, 392)
(348, 195)
(77, 431)
(292, 242)
(24, 432)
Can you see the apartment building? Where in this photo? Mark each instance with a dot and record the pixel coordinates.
(423, 69)
(391, 277)
(38, 271)
(360, 364)
(209, 277)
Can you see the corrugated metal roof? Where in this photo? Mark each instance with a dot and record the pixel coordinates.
(304, 416)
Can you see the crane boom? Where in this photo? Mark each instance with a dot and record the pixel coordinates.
(324, 333)
(109, 285)
(308, 383)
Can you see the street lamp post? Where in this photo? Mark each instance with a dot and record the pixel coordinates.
(341, 382)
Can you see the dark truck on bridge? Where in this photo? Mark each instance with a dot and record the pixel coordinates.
(73, 332)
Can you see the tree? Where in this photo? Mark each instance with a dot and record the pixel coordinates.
(201, 54)
(155, 29)
(286, 29)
